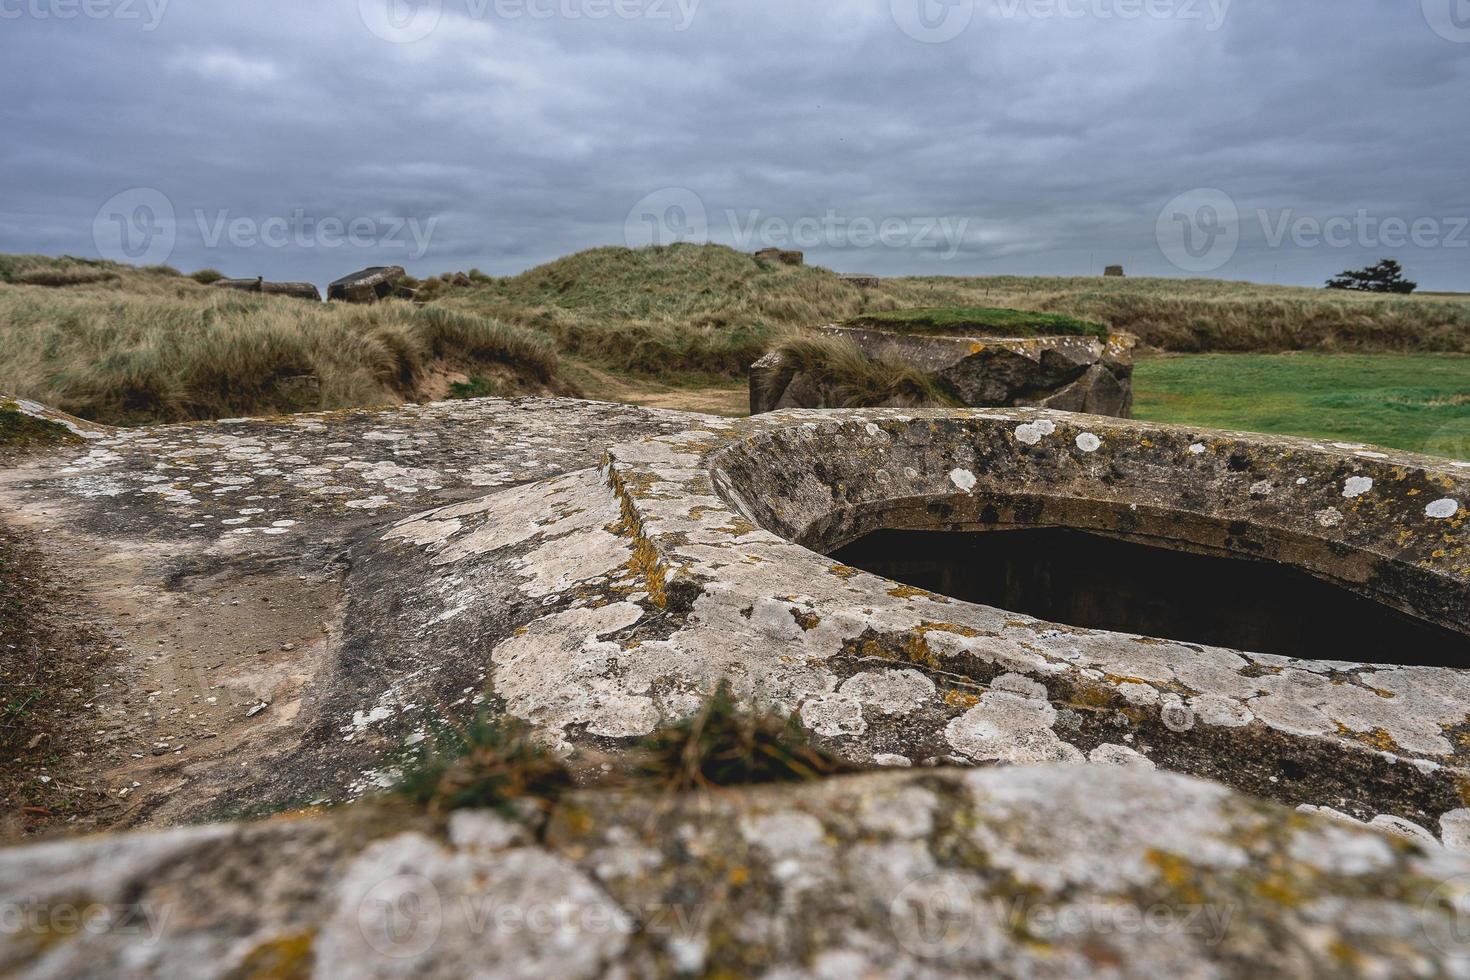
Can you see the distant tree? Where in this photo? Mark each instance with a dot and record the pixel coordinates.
(1385, 277)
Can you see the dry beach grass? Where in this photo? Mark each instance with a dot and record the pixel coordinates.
(117, 344)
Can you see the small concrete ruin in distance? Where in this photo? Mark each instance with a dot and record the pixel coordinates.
(314, 593)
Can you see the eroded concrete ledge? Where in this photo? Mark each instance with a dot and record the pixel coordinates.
(1022, 872)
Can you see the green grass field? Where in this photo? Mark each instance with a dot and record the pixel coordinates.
(1418, 402)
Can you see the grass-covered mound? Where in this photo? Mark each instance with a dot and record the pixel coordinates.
(980, 321)
(152, 346)
(667, 312)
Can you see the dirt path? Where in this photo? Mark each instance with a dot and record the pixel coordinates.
(161, 674)
(730, 399)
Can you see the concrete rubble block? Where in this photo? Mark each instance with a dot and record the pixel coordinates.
(781, 256)
(368, 285)
(1073, 374)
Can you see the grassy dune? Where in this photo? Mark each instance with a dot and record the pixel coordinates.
(118, 344)
(132, 346)
(708, 310)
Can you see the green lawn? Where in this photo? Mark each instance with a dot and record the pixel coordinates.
(1419, 402)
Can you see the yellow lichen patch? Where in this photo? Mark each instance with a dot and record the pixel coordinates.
(1093, 697)
(1280, 888)
(808, 621)
(845, 572)
(916, 651)
(646, 565)
(1377, 738)
(283, 958)
(1178, 874)
(909, 592)
(963, 700)
(1345, 954)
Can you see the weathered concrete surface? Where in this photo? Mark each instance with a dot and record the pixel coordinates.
(598, 604)
(1070, 374)
(216, 557)
(1026, 872)
(278, 643)
(296, 601)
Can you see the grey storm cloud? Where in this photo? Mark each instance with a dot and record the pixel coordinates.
(1262, 139)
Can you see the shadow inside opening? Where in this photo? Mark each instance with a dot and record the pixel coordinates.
(1096, 582)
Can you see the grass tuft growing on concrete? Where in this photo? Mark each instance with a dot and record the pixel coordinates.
(489, 765)
(727, 743)
(858, 379)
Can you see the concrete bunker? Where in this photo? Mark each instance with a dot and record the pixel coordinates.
(1293, 553)
(1101, 582)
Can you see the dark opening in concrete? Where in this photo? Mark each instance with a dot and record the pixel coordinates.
(1096, 582)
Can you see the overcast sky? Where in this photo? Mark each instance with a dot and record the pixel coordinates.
(1273, 140)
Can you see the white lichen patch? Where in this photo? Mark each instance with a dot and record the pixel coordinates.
(1031, 433)
(1357, 486)
(1442, 510)
(1008, 727)
(963, 479)
(1089, 442)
